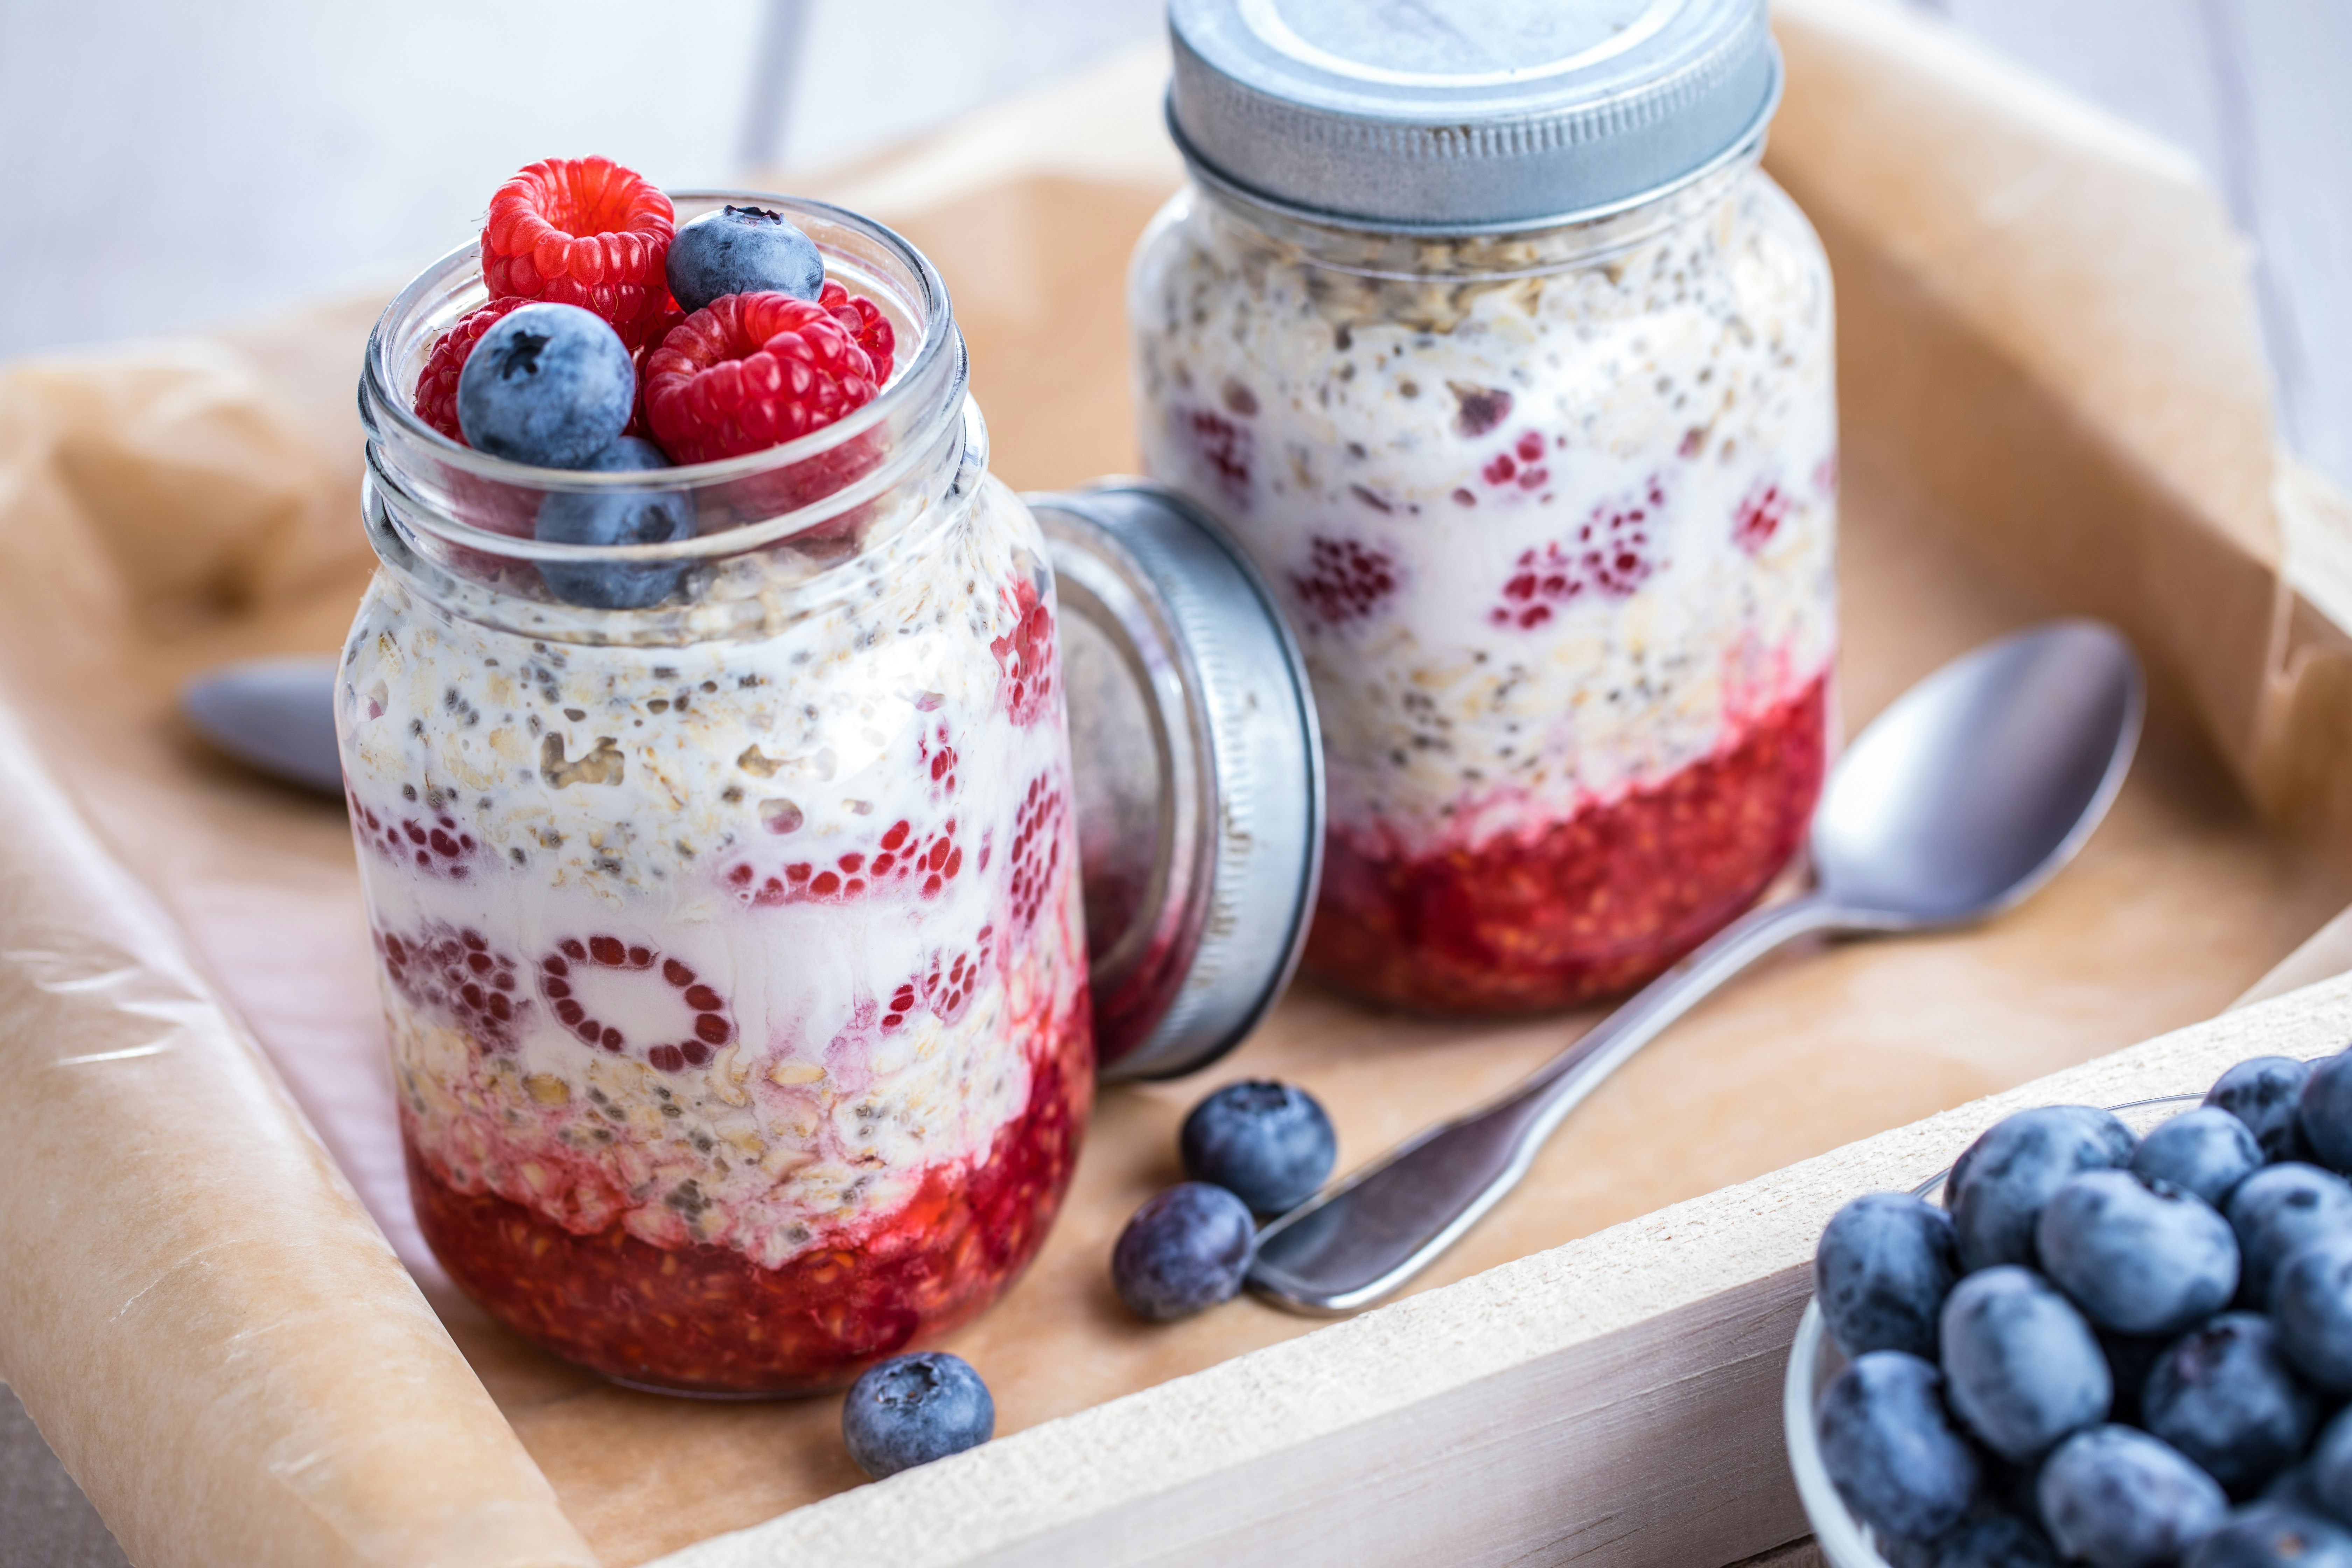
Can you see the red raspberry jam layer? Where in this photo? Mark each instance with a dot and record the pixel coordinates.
(1559, 915)
(707, 1319)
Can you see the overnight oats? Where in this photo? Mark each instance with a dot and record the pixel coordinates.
(1553, 501)
(719, 859)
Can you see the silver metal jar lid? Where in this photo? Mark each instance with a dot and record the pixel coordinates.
(1198, 773)
(1466, 115)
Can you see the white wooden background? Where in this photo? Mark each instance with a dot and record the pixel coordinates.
(163, 166)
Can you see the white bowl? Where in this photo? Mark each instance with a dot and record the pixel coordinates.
(1815, 1361)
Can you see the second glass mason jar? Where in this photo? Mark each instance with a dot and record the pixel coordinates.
(732, 948)
(1497, 350)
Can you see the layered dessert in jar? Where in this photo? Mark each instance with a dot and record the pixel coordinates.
(721, 873)
(1553, 502)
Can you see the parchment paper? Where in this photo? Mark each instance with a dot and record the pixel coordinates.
(2053, 403)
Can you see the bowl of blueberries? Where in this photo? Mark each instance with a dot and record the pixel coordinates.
(2119, 1337)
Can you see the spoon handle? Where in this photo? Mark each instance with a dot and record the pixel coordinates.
(1356, 1242)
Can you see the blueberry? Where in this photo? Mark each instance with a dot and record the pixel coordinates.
(1186, 1249)
(2009, 1172)
(2328, 1476)
(2207, 1152)
(912, 1409)
(1884, 1266)
(619, 517)
(2272, 1535)
(2298, 1487)
(2276, 1210)
(742, 250)
(2022, 1365)
(1890, 1445)
(2116, 1497)
(2225, 1397)
(2310, 1302)
(1267, 1143)
(548, 384)
(2322, 1113)
(1993, 1541)
(2137, 1258)
(2262, 1093)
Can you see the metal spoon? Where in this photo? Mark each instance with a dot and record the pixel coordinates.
(273, 714)
(1959, 801)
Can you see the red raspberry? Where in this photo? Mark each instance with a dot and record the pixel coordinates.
(585, 232)
(864, 321)
(752, 371)
(436, 388)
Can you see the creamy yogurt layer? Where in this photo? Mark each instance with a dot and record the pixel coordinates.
(1556, 531)
(732, 949)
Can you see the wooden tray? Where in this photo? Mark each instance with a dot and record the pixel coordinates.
(2053, 403)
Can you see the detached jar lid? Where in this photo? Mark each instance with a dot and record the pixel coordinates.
(1463, 115)
(1197, 771)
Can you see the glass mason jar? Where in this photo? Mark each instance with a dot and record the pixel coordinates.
(1553, 500)
(732, 948)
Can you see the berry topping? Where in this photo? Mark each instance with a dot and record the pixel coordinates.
(1608, 557)
(1025, 655)
(563, 977)
(752, 371)
(546, 384)
(1223, 448)
(1344, 581)
(1036, 851)
(615, 518)
(1760, 517)
(1269, 1145)
(912, 1409)
(585, 232)
(920, 862)
(742, 250)
(437, 385)
(1186, 1249)
(457, 975)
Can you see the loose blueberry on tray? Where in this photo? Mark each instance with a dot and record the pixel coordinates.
(742, 250)
(1268, 1144)
(1185, 1250)
(550, 385)
(619, 517)
(912, 1409)
(2109, 1360)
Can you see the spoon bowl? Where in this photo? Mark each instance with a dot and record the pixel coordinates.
(1977, 785)
(1961, 799)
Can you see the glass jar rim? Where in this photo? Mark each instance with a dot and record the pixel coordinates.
(935, 378)
(1746, 146)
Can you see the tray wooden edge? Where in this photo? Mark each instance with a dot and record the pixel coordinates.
(1615, 1400)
